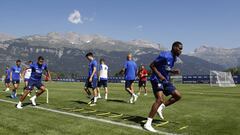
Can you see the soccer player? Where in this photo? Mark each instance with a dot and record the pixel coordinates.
(160, 80)
(130, 71)
(27, 74)
(35, 81)
(15, 77)
(142, 75)
(103, 78)
(92, 78)
(7, 79)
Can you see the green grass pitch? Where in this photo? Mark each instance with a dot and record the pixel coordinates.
(203, 110)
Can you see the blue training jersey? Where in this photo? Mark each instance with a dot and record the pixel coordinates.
(130, 70)
(16, 71)
(37, 71)
(91, 65)
(7, 72)
(164, 64)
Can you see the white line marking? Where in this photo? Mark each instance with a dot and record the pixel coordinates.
(89, 118)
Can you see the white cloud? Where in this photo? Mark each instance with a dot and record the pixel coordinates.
(139, 27)
(75, 17)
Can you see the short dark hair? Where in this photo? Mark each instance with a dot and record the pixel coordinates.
(176, 43)
(40, 58)
(89, 54)
(102, 60)
(29, 62)
(18, 61)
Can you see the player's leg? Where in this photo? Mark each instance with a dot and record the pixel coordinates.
(139, 88)
(14, 90)
(169, 90)
(86, 88)
(159, 100)
(135, 97)
(145, 88)
(22, 98)
(128, 84)
(98, 89)
(26, 92)
(41, 88)
(176, 96)
(95, 94)
(26, 84)
(106, 93)
(7, 84)
(106, 89)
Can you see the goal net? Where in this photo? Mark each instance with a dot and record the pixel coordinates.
(221, 79)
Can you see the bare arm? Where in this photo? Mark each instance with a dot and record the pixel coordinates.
(11, 75)
(94, 71)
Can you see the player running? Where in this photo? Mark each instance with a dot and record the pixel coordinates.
(35, 81)
(92, 78)
(7, 79)
(15, 77)
(161, 85)
(27, 74)
(142, 75)
(130, 71)
(103, 78)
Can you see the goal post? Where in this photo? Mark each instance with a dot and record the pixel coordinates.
(221, 79)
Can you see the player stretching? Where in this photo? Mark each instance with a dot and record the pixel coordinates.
(35, 81)
(161, 84)
(92, 78)
(130, 70)
(15, 76)
(103, 78)
(7, 79)
(27, 74)
(142, 75)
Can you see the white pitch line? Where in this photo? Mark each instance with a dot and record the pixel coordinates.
(90, 118)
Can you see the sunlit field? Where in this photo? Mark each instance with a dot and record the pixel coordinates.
(202, 110)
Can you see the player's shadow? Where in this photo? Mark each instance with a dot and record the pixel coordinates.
(116, 100)
(80, 102)
(27, 104)
(139, 119)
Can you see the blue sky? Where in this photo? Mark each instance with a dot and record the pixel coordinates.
(195, 23)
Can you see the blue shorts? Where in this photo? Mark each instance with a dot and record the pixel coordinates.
(92, 84)
(33, 83)
(26, 79)
(167, 87)
(102, 83)
(7, 80)
(128, 83)
(15, 82)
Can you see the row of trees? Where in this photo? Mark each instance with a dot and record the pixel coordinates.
(234, 71)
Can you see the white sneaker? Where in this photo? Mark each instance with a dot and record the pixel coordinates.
(99, 97)
(149, 128)
(7, 89)
(19, 106)
(135, 98)
(131, 100)
(139, 93)
(32, 99)
(145, 94)
(93, 104)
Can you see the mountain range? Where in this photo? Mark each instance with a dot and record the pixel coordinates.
(65, 52)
